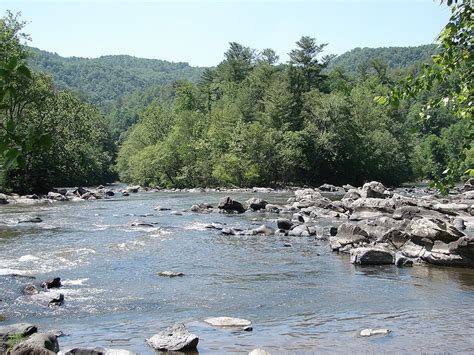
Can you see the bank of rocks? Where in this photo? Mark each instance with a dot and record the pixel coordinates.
(375, 225)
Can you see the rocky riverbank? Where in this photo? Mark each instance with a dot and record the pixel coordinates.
(375, 225)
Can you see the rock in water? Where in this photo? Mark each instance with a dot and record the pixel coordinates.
(373, 189)
(284, 224)
(54, 283)
(228, 204)
(256, 204)
(371, 256)
(39, 343)
(84, 351)
(369, 332)
(56, 302)
(259, 352)
(171, 273)
(175, 338)
(228, 322)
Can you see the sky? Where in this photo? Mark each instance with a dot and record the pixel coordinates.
(199, 32)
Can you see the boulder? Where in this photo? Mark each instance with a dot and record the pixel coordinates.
(256, 204)
(469, 185)
(228, 204)
(348, 233)
(56, 196)
(175, 338)
(227, 322)
(54, 283)
(371, 256)
(401, 260)
(30, 289)
(352, 194)
(301, 230)
(272, 208)
(284, 224)
(56, 301)
(3, 199)
(331, 188)
(263, 229)
(464, 247)
(374, 189)
(425, 231)
(23, 329)
(38, 343)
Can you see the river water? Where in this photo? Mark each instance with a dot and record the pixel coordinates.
(301, 299)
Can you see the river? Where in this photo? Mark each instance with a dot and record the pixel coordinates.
(301, 299)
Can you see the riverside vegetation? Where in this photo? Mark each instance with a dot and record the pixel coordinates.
(251, 120)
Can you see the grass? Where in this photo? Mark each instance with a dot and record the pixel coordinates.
(15, 339)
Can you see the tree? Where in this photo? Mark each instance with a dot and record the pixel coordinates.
(454, 59)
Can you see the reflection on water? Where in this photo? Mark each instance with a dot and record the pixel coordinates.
(301, 299)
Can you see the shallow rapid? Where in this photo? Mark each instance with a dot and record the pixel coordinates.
(300, 298)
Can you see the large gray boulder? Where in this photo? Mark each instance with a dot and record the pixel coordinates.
(256, 203)
(425, 231)
(228, 204)
(374, 189)
(38, 343)
(175, 338)
(348, 233)
(371, 256)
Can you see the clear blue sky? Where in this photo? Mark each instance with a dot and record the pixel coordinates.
(198, 32)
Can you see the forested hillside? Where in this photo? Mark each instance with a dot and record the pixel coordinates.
(360, 60)
(105, 80)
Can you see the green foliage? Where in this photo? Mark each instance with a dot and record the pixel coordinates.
(14, 340)
(449, 78)
(107, 79)
(47, 138)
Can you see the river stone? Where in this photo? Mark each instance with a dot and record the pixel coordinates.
(54, 283)
(228, 322)
(401, 260)
(24, 329)
(228, 204)
(171, 273)
(175, 338)
(3, 199)
(265, 230)
(30, 289)
(369, 332)
(348, 233)
(432, 229)
(31, 220)
(37, 341)
(57, 301)
(373, 189)
(256, 203)
(259, 352)
(371, 256)
(284, 224)
(464, 246)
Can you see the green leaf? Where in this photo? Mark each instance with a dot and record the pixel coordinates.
(381, 100)
(469, 172)
(23, 69)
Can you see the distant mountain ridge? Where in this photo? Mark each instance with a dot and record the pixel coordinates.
(394, 57)
(111, 77)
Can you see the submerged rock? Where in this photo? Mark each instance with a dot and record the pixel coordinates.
(227, 322)
(84, 351)
(170, 273)
(369, 332)
(31, 220)
(175, 338)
